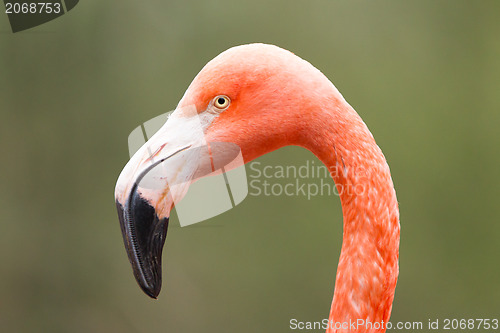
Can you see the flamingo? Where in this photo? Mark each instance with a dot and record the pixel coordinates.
(261, 97)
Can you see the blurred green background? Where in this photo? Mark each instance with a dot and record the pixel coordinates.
(424, 75)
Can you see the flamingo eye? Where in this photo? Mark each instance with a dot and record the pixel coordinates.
(221, 102)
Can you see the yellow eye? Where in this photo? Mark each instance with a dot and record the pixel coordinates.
(221, 102)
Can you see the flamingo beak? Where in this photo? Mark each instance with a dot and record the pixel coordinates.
(158, 175)
(143, 227)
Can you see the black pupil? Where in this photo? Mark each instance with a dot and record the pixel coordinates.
(221, 101)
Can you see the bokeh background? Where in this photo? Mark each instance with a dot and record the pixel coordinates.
(424, 75)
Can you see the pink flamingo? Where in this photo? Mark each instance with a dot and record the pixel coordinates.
(261, 98)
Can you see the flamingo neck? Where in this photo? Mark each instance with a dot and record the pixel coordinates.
(368, 264)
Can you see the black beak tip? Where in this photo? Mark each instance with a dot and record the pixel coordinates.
(144, 236)
(151, 291)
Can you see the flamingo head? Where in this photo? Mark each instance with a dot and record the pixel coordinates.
(252, 98)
